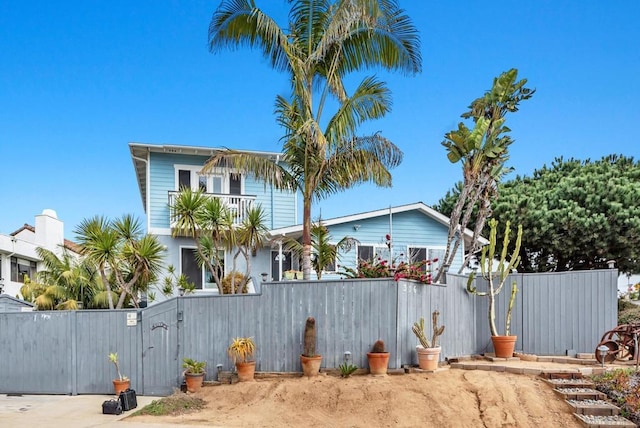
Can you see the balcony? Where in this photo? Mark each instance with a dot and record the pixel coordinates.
(236, 204)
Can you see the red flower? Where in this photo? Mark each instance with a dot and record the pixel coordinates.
(387, 237)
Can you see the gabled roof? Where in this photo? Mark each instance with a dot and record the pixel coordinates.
(69, 245)
(417, 206)
(140, 156)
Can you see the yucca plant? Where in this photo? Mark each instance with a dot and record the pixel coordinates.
(241, 349)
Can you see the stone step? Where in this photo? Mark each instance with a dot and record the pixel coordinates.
(604, 421)
(594, 407)
(561, 374)
(570, 383)
(580, 394)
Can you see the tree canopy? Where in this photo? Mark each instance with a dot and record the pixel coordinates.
(324, 42)
(576, 215)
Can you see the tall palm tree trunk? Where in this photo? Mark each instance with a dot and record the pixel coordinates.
(306, 238)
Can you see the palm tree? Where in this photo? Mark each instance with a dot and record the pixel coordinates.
(119, 250)
(209, 223)
(250, 237)
(325, 42)
(325, 253)
(70, 279)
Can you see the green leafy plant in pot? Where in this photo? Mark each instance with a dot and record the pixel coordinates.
(241, 352)
(428, 351)
(503, 345)
(121, 383)
(193, 374)
(309, 360)
(378, 359)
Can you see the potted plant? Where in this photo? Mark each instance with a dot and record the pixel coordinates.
(121, 383)
(428, 352)
(193, 374)
(378, 358)
(309, 360)
(503, 345)
(241, 351)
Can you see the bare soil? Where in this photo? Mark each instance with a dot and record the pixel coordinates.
(447, 398)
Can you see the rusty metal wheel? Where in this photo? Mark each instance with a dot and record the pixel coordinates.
(611, 355)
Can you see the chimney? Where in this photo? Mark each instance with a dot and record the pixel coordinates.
(49, 231)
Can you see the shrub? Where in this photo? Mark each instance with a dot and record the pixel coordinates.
(628, 312)
(239, 281)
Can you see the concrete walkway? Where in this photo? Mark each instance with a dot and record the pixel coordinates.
(65, 411)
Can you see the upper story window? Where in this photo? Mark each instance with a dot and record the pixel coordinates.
(21, 267)
(221, 182)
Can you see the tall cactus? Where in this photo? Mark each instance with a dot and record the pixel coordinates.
(504, 268)
(418, 330)
(310, 338)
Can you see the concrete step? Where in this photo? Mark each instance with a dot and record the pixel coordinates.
(594, 407)
(570, 383)
(604, 421)
(561, 374)
(580, 394)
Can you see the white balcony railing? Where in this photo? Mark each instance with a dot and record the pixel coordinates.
(238, 205)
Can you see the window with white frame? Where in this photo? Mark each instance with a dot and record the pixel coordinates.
(419, 254)
(199, 275)
(372, 252)
(219, 181)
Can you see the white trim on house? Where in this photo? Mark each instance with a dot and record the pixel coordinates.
(166, 231)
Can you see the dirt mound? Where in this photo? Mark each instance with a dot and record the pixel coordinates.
(450, 398)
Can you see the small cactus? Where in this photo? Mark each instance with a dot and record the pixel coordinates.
(310, 338)
(378, 347)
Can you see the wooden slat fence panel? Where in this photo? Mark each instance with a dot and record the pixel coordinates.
(553, 313)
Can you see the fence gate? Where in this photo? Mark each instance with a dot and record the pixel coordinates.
(160, 365)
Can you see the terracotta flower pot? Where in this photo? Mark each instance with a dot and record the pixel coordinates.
(378, 362)
(246, 371)
(194, 381)
(428, 358)
(121, 385)
(311, 365)
(504, 345)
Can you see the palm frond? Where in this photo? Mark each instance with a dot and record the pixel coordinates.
(239, 23)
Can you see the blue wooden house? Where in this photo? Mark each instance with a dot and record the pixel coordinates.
(409, 233)
(416, 230)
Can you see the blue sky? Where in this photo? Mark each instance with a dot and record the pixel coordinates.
(79, 80)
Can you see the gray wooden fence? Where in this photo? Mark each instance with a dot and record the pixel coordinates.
(66, 352)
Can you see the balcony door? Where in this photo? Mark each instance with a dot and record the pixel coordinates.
(218, 182)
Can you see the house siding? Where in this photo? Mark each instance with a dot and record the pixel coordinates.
(279, 206)
(410, 229)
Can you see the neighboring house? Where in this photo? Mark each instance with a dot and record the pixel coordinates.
(417, 231)
(162, 169)
(18, 256)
